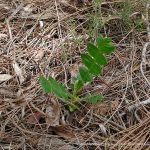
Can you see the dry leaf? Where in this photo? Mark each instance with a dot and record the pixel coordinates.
(27, 10)
(101, 109)
(7, 92)
(5, 77)
(103, 129)
(79, 3)
(74, 70)
(105, 108)
(114, 104)
(34, 118)
(41, 24)
(18, 72)
(38, 55)
(50, 143)
(64, 131)
(3, 35)
(53, 113)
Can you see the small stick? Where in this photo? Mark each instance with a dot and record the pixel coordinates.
(145, 102)
(143, 62)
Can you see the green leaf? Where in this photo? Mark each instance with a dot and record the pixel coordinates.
(90, 64)
(85, 75)
(95, 53)
(72, 107)
(105, 45)
(45, 84)
(52, 86)
(58, 89)
(77, 86)
(93, 99)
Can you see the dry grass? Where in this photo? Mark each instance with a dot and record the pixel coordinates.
(46, 37)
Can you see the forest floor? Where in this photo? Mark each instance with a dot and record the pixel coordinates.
(46, 37)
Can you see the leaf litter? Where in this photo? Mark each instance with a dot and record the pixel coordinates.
(5, 77)
(33, 51)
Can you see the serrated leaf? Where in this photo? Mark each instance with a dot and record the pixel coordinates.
(45, 84)
(95, 53)
(90, 63)
(105, 45)
(58, 89)
(85, 75)
(93, 99)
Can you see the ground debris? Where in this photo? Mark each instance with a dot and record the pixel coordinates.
(46, 37)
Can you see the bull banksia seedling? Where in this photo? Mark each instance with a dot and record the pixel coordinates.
(93, 61)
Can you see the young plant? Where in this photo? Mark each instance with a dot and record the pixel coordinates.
(93, 61)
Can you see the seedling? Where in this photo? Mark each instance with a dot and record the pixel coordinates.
(93, 61)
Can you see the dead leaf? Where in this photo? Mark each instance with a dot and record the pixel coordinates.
(79, 3)
(34, 118)
(38, 55)
(74, 71)
(101, 109)
(41, 23)
(114, 105)
(54, 144)
(6, 92)
(27, 10)
(18, 72)
(106, 107)
(5, 77)
(64, 131)
(3, 36)
(53, 113)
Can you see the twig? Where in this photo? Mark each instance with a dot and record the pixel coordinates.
(9, 30)
(130, 108)
(147, 19)
(120, 127)
(10, 17)
(59, 25)
(143, 62)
